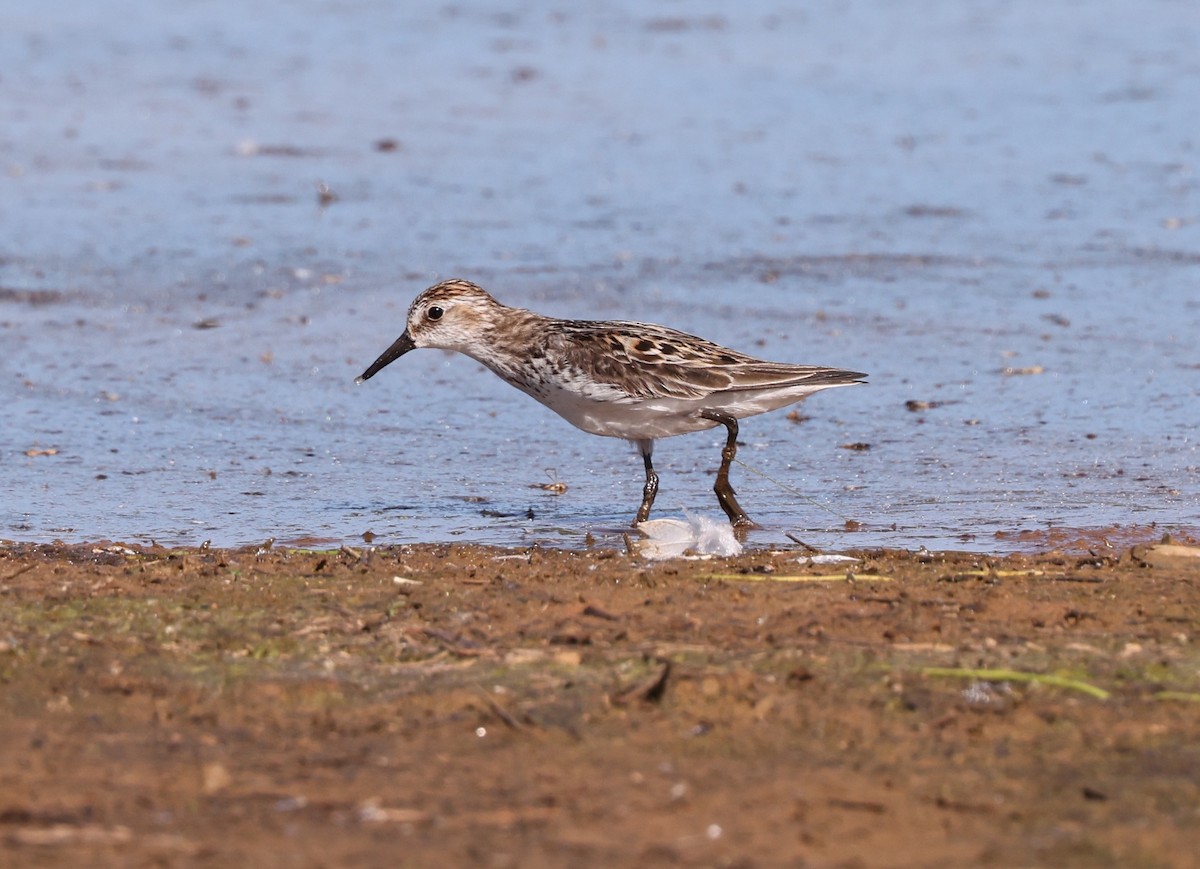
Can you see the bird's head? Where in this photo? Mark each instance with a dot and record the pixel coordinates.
(452, 315)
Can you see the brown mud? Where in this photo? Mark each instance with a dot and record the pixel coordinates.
(459, 705)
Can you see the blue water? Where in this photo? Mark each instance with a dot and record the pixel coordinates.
(932, 193)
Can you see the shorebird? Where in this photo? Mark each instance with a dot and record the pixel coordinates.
(628, 380)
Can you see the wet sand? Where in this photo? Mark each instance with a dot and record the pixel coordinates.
(464, 705)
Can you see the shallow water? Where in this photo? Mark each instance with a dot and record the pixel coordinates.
(934, 198)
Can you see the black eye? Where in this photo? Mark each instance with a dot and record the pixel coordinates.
(434, 313)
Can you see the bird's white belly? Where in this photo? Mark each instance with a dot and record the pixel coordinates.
(619, 416)
(601, 412)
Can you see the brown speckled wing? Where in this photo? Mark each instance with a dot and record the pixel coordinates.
(648, 361)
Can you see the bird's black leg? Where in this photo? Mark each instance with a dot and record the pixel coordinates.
(737, 516)
(651, 487)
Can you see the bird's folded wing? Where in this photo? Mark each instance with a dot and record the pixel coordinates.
(646, 362)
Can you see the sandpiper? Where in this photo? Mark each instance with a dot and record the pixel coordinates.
(628, 380)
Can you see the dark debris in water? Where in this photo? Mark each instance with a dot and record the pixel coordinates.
(32, 297)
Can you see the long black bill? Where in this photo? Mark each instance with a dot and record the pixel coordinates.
(399, 347)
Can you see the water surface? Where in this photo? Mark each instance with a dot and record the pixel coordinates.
(215, 216)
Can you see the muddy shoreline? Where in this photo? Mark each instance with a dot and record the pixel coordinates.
(473, 705)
